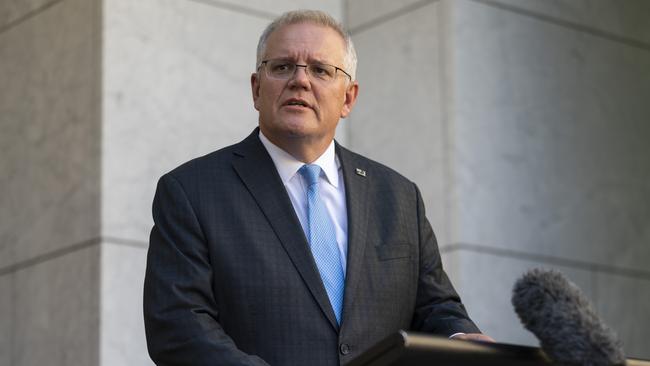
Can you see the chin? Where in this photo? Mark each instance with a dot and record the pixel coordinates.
(296, 133)
(297, 128)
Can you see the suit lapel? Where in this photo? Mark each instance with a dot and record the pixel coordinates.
(356, 177)
(256, 169)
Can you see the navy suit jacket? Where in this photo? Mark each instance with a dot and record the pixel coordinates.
(230, 278)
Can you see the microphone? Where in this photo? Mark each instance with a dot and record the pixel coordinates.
(561, 317)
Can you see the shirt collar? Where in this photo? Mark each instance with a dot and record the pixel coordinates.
(287, 165)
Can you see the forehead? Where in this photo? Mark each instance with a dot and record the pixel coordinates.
(305, 41)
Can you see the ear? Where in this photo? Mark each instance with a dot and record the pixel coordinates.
(350, 98)
(255, 88)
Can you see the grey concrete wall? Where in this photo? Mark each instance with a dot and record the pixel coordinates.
(525, 125)
(50, 182)
(521, 121)
(552, 150)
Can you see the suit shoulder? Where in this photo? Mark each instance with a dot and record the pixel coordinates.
(214, 161)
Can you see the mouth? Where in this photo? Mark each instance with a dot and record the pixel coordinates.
(296, 103)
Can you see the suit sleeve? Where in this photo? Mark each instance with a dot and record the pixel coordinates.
(180, 312)
(438, 306)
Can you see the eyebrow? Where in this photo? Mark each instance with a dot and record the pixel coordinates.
(291, 59)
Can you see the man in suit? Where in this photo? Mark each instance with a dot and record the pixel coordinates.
(286, 248)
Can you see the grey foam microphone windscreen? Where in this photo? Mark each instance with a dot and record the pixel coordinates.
(560, 315)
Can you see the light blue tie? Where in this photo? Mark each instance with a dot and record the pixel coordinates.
(322, 240)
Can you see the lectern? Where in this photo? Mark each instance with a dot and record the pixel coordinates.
(413, 349)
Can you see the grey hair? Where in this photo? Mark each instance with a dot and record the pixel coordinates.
(314, 17)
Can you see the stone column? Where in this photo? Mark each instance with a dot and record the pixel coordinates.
(50, 196)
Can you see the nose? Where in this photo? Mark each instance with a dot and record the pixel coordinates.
(300, 77)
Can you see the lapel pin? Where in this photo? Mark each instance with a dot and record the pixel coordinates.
(361, 172)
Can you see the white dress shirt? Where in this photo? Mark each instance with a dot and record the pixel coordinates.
(332, 189)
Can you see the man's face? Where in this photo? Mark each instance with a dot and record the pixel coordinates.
(281, 120)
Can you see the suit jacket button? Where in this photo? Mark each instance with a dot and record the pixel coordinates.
(344, 348)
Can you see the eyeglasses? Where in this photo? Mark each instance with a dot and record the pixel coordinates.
(283, 70)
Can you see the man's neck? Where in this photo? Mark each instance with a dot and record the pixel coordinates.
(305, 149)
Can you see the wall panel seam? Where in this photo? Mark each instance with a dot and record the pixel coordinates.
(28, 15)
(572, 263)
(14, 302)
(390, 16)
(593, 31)
(49, 256)
(39, 259)
(125, 242)
(445, 96)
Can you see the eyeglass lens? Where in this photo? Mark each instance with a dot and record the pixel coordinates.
(283, 69)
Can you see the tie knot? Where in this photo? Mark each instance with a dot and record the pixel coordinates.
(310, 172)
